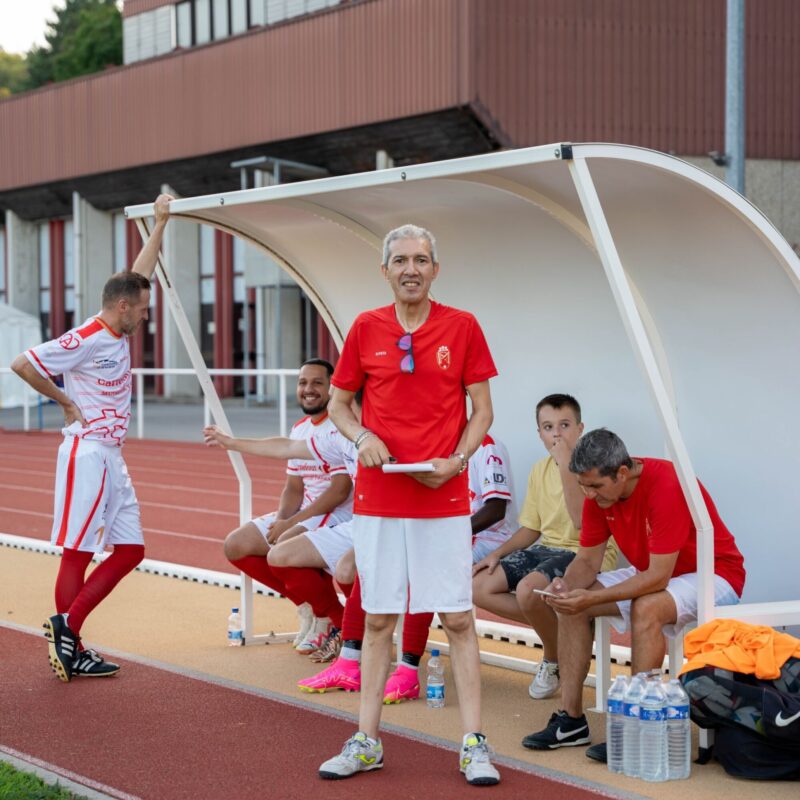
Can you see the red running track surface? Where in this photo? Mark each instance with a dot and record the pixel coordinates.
(152, 733)
(187, 492)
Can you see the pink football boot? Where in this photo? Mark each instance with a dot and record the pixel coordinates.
(342, 674)
(403, 684)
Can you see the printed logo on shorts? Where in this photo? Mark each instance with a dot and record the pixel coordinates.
(443, 357)
(69, 341)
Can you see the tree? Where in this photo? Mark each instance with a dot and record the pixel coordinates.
(85, 37)
(13, 73)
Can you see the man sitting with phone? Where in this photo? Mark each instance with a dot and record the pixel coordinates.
(544, 544)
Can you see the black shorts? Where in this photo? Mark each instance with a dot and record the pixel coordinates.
(552, 562)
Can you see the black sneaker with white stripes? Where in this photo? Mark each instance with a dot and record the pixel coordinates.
(562, 731)
(63, 646)
(90, 664)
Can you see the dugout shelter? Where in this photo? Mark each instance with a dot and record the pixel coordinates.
(658, 296)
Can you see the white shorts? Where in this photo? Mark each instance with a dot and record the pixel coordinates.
(414, 564)
(482, 547)
(334, 517)
(95, 504)
(332, 542)
(683, 590)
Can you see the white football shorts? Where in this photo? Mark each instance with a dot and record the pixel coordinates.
(332, 542)
(335, 517)
(413, 564)
(95, 504)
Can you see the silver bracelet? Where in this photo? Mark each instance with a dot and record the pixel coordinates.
(361, 436)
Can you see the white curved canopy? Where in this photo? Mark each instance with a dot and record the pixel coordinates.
(531, 241)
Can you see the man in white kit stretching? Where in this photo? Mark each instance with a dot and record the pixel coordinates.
(95, 504)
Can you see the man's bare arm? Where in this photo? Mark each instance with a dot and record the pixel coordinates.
(291, 497)
(372, 452)
(278, 447)
(145, 263)
(492, 511)
(573, 496)
(22, 367)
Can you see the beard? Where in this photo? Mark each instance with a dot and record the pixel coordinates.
(311, 410)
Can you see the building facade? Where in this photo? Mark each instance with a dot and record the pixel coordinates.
(303, 88)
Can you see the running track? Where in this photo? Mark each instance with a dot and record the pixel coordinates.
(187, 493)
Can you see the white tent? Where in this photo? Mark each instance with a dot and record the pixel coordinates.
(18, 332)
(662, 299)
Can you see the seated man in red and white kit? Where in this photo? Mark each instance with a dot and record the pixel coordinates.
(311, 496)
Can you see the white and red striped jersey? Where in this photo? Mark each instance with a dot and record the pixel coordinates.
(315, 479)
(96, 365)
(334, 453)
(490, 476)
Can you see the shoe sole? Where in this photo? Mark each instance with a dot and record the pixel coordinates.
(335, 776)
(311, 690)
(483, 781)
(576, 743)
(393, 701)
(543, 696)
(95, 674)
(56, 664)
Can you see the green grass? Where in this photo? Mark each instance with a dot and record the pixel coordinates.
(16, 785)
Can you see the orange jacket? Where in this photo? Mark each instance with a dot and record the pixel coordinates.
(739, 647)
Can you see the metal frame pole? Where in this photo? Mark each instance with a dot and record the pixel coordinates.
(734, 95)
(212, 398)
(632, 321)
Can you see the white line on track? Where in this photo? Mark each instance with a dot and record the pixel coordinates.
(53, 774)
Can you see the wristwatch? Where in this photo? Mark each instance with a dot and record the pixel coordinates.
(463, 461)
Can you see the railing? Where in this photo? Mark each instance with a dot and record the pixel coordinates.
(139, 374)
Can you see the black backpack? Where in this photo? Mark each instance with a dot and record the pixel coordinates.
(757, 722)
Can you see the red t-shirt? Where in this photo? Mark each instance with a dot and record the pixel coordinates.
(418, 415)
(656, 519)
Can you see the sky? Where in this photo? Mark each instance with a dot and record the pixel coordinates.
(23, 23)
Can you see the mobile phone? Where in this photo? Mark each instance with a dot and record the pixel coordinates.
(546, 594)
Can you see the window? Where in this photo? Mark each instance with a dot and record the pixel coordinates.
(238, 16)
(69, 277)
(120, 244)
(221, 27)
(3, 283)
(257, 12)
(207, 289)
(202, 21)
(183, 21)
(44, 278)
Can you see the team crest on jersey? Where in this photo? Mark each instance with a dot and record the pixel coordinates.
(443, 357)
(69, 341)
(105, 363)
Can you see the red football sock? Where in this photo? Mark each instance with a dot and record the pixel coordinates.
(71, 577)
(258, 569)
(415, 632)
(314, 586)
(100, 583)
(354, 616)
(346, 588)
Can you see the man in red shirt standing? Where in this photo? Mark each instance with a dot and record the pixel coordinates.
(639, 502)
(416, 361)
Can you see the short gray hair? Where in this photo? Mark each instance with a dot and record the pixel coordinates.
(409, 232)
(601, 450)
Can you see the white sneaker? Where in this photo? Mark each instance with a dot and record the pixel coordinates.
(546, 682)
(359, 754)
(475, 761)
(317, 635)
(305, 619)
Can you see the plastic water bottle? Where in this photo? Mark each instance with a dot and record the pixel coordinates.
(435, 687)
(679, 735)
(235, 637)
(615, 722)
(653, 732)
(630, 726)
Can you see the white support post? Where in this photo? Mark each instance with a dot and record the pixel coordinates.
(212, 398)
(139, 405)
(206, 413)
(643, 351)
(26, 409)
(282, 402)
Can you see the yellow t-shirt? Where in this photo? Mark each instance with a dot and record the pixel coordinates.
(544, 510)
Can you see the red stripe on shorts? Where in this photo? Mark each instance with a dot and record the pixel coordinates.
(91, 513)
(62, 534)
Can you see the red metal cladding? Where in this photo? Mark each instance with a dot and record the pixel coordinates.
(223, 311)
(132, 7)
(57, 264)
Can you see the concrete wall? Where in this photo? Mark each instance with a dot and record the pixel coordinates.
(182, 255)
(94, 262)
(22, 242)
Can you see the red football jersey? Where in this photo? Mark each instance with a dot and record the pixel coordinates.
(656, 519)
(419, 415)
